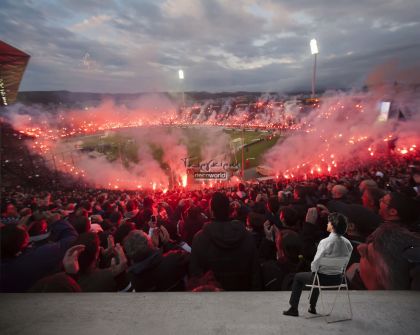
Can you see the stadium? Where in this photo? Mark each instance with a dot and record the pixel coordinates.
(244, 135)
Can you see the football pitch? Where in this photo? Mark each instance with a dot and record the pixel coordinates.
(124, 145)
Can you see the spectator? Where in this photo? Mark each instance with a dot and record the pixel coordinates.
(150, 269)
(227, 249)
(272, 213)
(194, 221)
(371, 198)
(122, 231)
(81, 223)
(383, 263)
(335, 245)
(299, 202)
(289, 218)
(367, 183)
(9, 214)
(397, 208)
(91, 278)
(255, 225)
(278, 274)
(63, 281)
(23, 263)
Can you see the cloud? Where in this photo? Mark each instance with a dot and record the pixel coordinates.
(91, 22)
(229, 45)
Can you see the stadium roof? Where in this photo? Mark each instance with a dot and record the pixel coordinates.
(12, 66)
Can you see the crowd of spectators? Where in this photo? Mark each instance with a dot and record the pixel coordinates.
(254, 236)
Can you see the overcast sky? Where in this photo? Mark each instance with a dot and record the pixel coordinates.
(222, 45)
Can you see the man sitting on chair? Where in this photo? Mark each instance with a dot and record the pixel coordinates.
(335, 245)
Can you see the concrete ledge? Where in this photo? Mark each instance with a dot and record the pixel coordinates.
(380, 312)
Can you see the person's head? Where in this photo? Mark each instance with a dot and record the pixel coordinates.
(138, 246)
(288, 216)
(145, 217)
(382, 261)
(89, 256)
(220, 207)
(367, 183)
(337, 223)
(255, 222)
(193, 214)
(123, 230)
(289, 246)
(131, 205)
(96, 219)
(299, 193)
(38, 227)
(10, 210)
(397, 206)
(81, 224)
(87, 206)
(115, 218)
(360, 224)
(371, 198)
(339, 192)
(148, 202)
(14, 239)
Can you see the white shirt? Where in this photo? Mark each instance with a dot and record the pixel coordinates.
(333, 246)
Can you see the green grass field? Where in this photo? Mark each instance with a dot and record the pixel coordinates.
(120, 146)
(254, 153)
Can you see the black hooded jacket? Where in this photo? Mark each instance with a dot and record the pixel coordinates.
(228, 250)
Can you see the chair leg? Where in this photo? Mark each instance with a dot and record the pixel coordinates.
(335, 300)
(316, 282)
(351, 311)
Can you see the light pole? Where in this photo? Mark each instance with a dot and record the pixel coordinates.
(243, 145)
(314, 51)
(181, 78)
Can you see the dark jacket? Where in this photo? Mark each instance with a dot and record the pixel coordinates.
(160, 272)
(38, 260)
(301, 207)
(228, 250)
(274, 219)
(98, 280)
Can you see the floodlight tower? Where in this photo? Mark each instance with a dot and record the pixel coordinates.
(181, 78)
(314, 51)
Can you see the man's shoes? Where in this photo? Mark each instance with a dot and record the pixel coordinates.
(291, 312)
(312, 310)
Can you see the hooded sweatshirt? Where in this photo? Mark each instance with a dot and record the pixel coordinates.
(228, 250)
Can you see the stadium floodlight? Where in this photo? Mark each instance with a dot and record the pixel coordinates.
(181, 78)
(314, 51)
(314, 46)
(181, 74)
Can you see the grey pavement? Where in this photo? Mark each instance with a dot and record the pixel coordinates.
(380, 312)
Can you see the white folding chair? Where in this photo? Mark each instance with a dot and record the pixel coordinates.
(338, 264)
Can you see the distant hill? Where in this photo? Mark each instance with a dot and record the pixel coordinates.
(66, 97)
(70, 98)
